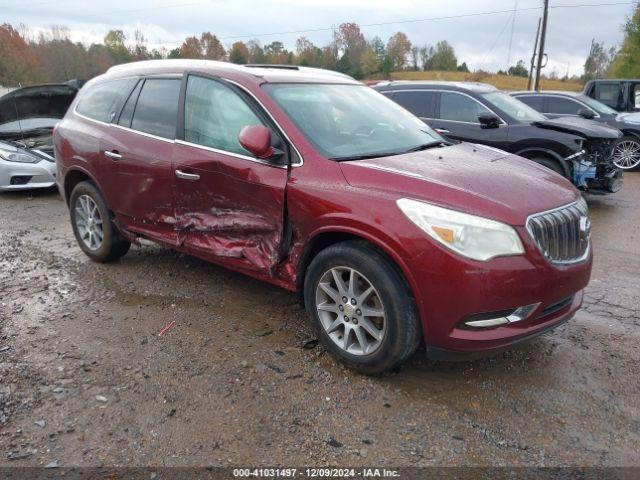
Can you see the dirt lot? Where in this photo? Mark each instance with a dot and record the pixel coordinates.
(86, 380)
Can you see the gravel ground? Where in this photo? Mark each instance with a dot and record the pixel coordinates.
(85, 379)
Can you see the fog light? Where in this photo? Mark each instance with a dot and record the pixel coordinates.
(20, 180)
(502, 318)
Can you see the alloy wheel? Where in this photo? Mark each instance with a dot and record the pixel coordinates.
(89, 222)
(626, 154)
(351, 311)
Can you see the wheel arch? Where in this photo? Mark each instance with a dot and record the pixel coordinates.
(329, 236)
(630, 133)
(73, 177)
(532, 152)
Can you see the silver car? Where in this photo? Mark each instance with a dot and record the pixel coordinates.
(27, 118)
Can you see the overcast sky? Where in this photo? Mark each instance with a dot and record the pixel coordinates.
(482, 41)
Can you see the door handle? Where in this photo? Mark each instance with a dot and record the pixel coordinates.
(187, 176)
(442, 131)
(113, 155)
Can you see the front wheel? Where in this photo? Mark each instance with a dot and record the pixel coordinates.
(360, 307)
(626, 153)
(92, 226)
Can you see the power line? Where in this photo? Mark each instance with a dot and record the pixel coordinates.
(429, 19)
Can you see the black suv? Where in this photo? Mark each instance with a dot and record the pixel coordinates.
(621, 95)
(578, 149)
(626, 153)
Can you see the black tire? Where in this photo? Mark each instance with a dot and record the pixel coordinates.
(113, 246)
(627, 141)
(403, 333)
(550, 164)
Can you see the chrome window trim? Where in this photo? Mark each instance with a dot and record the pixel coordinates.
(231, 154)
(551, 211)
(144, 134)
(502, 122)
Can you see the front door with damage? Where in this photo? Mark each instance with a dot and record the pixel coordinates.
(229, 206)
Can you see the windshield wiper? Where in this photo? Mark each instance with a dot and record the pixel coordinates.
(365, 156)
(426, 146)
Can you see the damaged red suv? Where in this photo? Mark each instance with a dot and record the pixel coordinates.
(314, 182)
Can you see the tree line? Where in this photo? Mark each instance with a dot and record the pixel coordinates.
(52, 56)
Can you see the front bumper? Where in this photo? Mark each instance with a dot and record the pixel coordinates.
(25, 176)
(454, 290)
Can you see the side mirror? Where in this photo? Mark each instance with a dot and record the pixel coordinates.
(256, 139)
(587, 113)
(489, 121)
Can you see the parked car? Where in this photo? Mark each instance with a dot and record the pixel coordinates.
(626, 152)
(317, 183)
(621, 95)
(27, 118)
(577, 149)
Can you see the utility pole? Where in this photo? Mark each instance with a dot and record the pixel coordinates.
(533, 57)
(543, 34)
(513, 26)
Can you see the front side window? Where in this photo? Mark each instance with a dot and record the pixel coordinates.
(348, 122)
(598, 106)
(513, 107)
(214, 114)
(157, 109)
(460, 108)
(103, 100)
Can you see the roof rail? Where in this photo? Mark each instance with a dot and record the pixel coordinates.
(274, 65)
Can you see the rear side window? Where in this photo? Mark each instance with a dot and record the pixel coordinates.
(534, 102)
(157, 109)
(214, 114)
(127, 112)
(103, 101)
(418, 103)
(460, 108)
(563, 106)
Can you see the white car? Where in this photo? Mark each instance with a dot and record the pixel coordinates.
(27, 118)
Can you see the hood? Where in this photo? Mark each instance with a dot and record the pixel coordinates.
(633, 118)
(580, 126)
(35, 102)
(474, 179)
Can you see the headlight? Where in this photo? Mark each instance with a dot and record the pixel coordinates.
(474, 237)
(12, 154)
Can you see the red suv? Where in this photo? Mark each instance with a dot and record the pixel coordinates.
(314, 182)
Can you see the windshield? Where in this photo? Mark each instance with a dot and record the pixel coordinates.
(514, 107)
(28, 124)
(598, 106)
(351, 121)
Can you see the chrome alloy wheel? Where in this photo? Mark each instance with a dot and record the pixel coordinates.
(89, 222)
(350, 311)
(626, 154)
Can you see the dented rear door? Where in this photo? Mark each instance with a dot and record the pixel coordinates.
(229, 205)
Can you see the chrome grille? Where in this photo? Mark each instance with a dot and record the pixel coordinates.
(562, 234)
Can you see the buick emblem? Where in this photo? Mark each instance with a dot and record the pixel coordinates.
(585, 227)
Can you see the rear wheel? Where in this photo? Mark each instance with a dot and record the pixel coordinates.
(92, 226)
(361, 308)
(626, 153)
